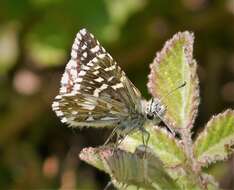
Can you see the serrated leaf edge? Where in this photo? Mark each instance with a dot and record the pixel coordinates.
(189, 37)
(206, 159)
(86, 155)
(188, 50)
(196, 96)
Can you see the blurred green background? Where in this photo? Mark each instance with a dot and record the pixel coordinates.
(37, 150)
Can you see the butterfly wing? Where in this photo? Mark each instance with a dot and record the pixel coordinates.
(94, 90)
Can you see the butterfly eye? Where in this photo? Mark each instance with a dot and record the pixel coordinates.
(159, 109)
(150, 116)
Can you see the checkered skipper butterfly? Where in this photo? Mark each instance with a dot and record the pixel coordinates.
(96, 92)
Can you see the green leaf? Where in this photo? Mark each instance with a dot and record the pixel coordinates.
(137, 169)
(46, 55)
(216, 141)
(130, 169)
(46, 44)
(187, 181)
(166, 147)
(8, 38)
(119, 12)
(173, 66)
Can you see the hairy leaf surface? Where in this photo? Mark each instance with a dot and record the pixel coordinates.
(172, 67)
(217, 140)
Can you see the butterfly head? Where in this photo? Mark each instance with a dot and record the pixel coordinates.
(155, 110)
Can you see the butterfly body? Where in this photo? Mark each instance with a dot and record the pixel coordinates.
(96, 92)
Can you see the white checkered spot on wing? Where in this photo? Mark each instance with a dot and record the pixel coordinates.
(97, 92)
(85, 48)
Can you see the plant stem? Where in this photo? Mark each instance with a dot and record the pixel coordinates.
(192, 167)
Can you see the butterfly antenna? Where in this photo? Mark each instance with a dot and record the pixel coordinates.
(108, 185)
(168, 126)
(110, 136)
(175, 89)
(168, 94)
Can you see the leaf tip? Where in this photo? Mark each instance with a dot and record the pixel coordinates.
(187, 38)
(216, 141)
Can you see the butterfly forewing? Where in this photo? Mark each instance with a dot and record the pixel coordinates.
(94, 90)
(85, 47)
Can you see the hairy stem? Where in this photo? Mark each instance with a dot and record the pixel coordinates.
(193, 168)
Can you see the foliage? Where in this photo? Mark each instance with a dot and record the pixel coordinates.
(170, 162)
(39, 152)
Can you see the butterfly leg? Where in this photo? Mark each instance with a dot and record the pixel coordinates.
(125, 135)
(145, 140)
(147, 135)
(117, 141)
(111, 135)
(172, 131)
(108, 185)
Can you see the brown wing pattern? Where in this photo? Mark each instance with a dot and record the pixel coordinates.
(94, 90)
